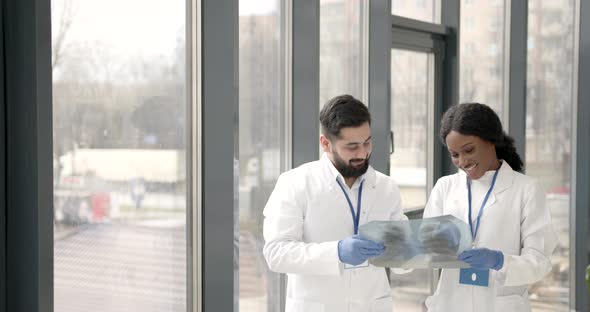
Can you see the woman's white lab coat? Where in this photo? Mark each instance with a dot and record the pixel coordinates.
(305, 217)
(514, 221)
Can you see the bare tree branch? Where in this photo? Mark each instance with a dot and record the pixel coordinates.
(67, 14)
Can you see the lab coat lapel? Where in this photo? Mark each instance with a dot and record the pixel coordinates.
(458, 201)
(503, 182)
(369, 192)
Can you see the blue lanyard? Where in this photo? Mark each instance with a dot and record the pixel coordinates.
(355, 217)
(485, 200)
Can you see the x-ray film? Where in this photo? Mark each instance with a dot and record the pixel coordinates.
(419, 244)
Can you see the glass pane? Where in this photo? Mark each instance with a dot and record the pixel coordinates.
(549, 120)
(423, 10)
(342, 56)
(482, 54)
(261, 132)
(119, 137)
(412, 90)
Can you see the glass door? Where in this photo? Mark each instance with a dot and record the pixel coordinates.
(411, 125)
(412, 93)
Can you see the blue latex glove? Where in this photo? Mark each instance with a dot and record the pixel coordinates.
(356, 250)
(483, 258)
(440, 238)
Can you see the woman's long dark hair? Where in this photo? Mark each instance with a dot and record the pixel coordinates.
(481, 121)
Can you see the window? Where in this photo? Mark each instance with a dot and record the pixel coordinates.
(488, 42)
(412, 91)
(493, 50)
(469, 24)
(342, 48)
(261, 139)
(494, 24)
(423, 10)
(550, 87)
(120, 191)
(468, 49)
(412, 96)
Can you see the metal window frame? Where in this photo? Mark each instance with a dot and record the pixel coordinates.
(306, 80)
(29, 183)
(3, 201)
(379, 80)
(450, 18)
(365, 32)
(516, 65)
(287, 15)
(441, 40)
(406, 34)
(579, 218)
(302, 95)
(414, 35)
(219, 98)
(194, 294)
(287, 87)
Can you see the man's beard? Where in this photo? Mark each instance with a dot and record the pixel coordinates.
(348, 170)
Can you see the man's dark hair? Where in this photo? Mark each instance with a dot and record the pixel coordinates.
(340, 112)
(480, 120)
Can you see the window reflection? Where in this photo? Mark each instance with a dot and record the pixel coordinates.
(423, 10)
(411, 92)
(261, 145)
(342, 33)
(119, 167)
(482, 54)
(549, 120)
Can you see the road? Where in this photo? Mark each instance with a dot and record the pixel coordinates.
(116, 267)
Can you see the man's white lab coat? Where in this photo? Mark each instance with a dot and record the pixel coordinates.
(305, 217)
(514, 221)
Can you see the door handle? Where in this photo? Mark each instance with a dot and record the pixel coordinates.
(391, 139)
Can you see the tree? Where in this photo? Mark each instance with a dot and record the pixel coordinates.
(161, 121)
(63, 13)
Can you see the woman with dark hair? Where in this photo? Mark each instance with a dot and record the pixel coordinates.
(513, 238)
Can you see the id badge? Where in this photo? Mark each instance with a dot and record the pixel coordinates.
(475, 277)
(362, 265)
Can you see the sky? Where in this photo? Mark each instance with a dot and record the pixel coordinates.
(257, 7)
(123, 30)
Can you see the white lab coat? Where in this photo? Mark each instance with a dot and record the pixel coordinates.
(514, 221)
(305, 217)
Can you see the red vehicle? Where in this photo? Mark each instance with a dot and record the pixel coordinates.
(80, 199)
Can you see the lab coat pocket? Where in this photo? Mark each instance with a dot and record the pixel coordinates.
(383, 305)
(294, 305)
(514, 303)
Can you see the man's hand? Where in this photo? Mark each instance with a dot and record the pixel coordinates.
(356, 250)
